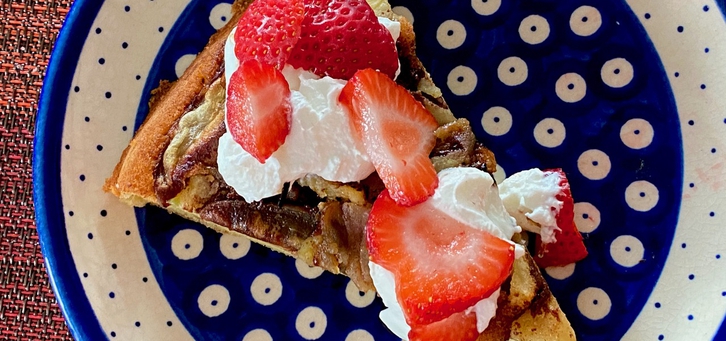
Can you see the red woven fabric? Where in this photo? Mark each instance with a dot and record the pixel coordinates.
(28, 309)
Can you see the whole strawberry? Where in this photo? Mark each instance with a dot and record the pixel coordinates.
(340, 37)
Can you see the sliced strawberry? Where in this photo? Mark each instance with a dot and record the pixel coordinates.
(268, 30)
(258, 108)
(397, 133)
(568, 247)
(459, 326)
(340, 37)
(441, 266)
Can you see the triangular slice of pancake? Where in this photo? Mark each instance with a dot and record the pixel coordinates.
(172, 163)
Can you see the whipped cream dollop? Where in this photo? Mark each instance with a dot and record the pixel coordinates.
(530, 196)
(320, 142)
(470, 196)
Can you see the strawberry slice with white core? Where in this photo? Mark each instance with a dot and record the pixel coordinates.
(258, 108)
(397, 134)
(268, 30)
(568, 246)
(441, 265)
(340, 37)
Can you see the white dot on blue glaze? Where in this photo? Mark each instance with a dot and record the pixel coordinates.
(102, 61)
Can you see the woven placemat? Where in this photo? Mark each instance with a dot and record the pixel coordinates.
(28, 309)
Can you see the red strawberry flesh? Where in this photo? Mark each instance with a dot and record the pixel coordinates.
(258, 108)
(397, 133)
(569, 246)
(340, 37)
(268, 31)
(459, 326)
(441, 266)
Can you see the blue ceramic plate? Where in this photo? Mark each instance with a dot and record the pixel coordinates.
(626, 96)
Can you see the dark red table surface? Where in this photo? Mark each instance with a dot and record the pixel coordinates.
(28, 308)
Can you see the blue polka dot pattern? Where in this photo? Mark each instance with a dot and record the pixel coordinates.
(588, 85)
(576, 91)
